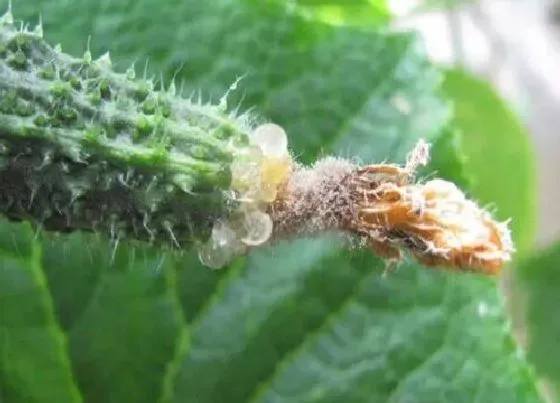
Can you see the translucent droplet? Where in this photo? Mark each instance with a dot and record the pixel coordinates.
(213, 256)
(271, 139)
(223, 236)
(259, 228)
(244, 175)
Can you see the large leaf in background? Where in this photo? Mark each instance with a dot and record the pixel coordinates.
(33, 362)
(304, 321)
(355, 12)
(121, 314)
(498, 149)
(314, 324)
(447, 160)
(539, 278)
(371, 94)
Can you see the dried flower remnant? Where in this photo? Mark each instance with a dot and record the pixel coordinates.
(434, 220)
(383, 206)
(389, 212)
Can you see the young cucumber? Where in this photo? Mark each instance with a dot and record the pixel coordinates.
(83, 147)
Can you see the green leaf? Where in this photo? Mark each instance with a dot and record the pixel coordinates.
(305, 320)
(447, 160)
(539, 280)
(33, 363)
(355, 12)
(121, 314)
(499, 153)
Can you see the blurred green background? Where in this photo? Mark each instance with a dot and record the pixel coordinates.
(305, 321)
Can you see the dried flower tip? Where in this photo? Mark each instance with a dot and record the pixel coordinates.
(419, 156)
(381, 204)
(434, 221)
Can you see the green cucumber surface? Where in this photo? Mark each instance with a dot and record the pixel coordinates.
(83, 147)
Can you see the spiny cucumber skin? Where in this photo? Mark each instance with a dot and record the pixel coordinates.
(85, 148)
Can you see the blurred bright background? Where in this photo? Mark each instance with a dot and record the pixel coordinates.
(516, 45)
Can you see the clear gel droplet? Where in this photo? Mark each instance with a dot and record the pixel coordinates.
(213, 256)
(245, 175)
(271, 139)
(222, 235)
(259, 228)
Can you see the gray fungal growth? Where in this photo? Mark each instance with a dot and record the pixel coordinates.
(315, 199)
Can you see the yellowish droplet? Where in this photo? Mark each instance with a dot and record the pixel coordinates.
(268, 193)
(275, 170)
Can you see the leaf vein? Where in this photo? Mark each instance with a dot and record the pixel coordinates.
(326, 321)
